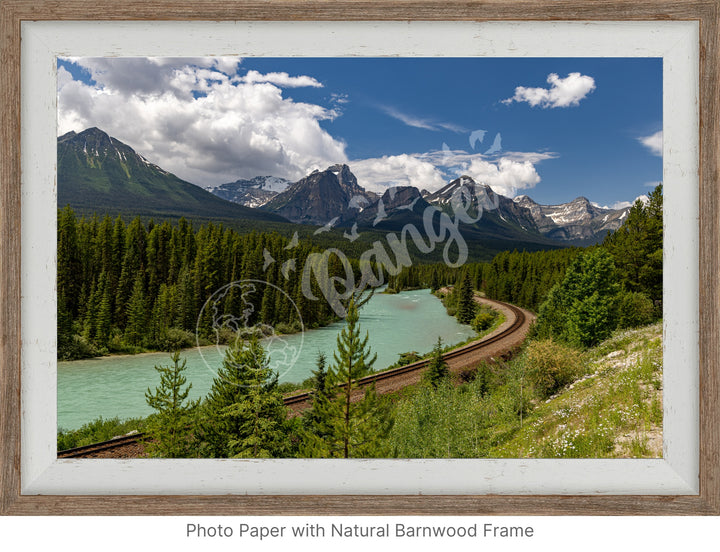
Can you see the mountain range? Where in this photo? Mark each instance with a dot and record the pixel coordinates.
(334, 197)
(252, 192)
(98, 173)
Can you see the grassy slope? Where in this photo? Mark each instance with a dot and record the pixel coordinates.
(614, 411)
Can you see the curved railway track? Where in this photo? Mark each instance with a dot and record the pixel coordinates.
(421, 364)
(105, 448)
(95, 448)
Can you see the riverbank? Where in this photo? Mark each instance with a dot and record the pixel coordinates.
(101, 429)
(114, 386)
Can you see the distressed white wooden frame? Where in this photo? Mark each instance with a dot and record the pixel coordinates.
(675, 474)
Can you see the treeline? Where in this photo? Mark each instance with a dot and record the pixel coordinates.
(518, 277)
(629, 261)
(123, 287)
(615, 285)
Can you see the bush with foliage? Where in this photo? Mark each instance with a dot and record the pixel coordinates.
(98, 430)
(484, 319)
(634, 309)
(580, 310)
(551, 365)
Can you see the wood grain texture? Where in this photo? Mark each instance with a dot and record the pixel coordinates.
(707, 12)
(710, 258)
(9, 258)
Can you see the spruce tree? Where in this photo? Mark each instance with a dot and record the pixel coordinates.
(244, 415)
(466, 301)
(171, 426)
(581, 309)
(437, 371)
(103, 320)
(261, 414)
(362, 424)
(137, 318)
(69, 265)
(319, 438)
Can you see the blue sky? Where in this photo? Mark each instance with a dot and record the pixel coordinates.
(588, 127)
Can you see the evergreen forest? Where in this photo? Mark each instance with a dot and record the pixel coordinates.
(132, 286)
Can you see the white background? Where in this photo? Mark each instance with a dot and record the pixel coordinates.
(577, 534)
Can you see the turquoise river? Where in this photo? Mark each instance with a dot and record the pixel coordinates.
(115, 385)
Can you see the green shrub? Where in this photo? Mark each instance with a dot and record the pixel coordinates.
(284, 328)
(551, 366)
(483, 320)
(408, 358)
(96, 431)
(174, 339)
(289, 387)
(634, 310)
(78, 347)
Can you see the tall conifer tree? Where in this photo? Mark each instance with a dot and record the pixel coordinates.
(171, 426)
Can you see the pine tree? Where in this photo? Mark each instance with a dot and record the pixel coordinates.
(137, 317)
(363, 424)
(244, 414)
(434, 282)
(103, 320)
(171, 427)
(437, 371)
(320, 439)
(580, 309)
(261, 413)
(466, 301)
(68, 264)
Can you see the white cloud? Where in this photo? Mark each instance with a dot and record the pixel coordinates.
(622, 204)
(431, 171)
(193, 120)
(562, 92)
(281, 79)
(378, 174)
(654, 143)
(505, 176)
(339, 98)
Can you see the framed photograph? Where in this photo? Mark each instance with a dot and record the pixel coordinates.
(226, 180)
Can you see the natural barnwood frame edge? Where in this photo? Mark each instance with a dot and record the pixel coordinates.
(706, 12)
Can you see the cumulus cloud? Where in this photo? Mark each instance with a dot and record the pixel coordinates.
(654, 142)
(505, 176)
(562, 92)
(378, 174)
(199, 120)
(431, 171)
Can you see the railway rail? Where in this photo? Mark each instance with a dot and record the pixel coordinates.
(421, 364)
(295, 401)
(93, 449)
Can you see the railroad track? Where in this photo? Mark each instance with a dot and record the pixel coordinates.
(80, 452)
(421, 364)
(299, 398)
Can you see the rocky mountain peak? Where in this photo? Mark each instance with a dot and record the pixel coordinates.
(321, 197)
